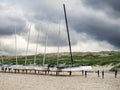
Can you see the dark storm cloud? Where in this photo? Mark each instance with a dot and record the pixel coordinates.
(113, 5)
(42, 10)
(8, 24)
(103, 3)
(9, 19)
(98, 29)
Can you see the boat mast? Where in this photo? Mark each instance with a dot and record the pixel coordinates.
(68, 34)
(36, 49)
(58, 46)
(27, 45)
(16, 47)
(46, 38)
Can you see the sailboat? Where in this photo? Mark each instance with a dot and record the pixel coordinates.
(43, 67)
(69, 68)
(16, 66)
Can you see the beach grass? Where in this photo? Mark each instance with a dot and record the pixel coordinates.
(86, 58)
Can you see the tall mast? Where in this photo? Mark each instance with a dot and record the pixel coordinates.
(27, 45)
(68, 34)
(36, 49)
(16, 47)
(45, 48)
(58, 46)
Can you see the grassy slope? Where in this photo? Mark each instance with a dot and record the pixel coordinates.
(88, 58)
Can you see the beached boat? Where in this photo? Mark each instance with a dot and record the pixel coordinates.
(69, 68)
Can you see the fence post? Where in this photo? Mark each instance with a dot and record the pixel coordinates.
(9, 69)
(23, 71)
(115, 73)
(15, 70)
(103, 74)
(82, 73)
(70, 73)
(5, 69)
(45, 72)
(57, 73)
(35, 71)
(26, 71)
(18, 71)
(98, 73)
(85, 73)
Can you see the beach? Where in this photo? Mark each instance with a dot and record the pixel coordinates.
(12, 81)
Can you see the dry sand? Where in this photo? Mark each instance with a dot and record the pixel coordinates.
(11, 81)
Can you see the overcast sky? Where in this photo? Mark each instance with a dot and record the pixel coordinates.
(94, 25)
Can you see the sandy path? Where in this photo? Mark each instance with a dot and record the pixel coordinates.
(9, 81)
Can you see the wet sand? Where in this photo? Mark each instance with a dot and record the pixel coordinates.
(12, 81)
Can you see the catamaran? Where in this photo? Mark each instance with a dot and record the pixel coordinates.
(16, 66)
(71, 68)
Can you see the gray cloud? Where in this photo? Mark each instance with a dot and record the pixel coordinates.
(111, 7)
(54, 38)
(102, 3)
(42, 12)
(9, 19)
(8, 24)
(98, 29)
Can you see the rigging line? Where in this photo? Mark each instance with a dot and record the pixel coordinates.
(68, 34)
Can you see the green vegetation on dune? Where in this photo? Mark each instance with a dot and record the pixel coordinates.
(98, 60)
(101, 58)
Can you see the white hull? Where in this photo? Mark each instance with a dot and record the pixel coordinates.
(52, 69)
(21, 67)
(41, 68)
(71, 69)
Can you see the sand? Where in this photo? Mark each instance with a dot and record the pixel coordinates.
(11, 81)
